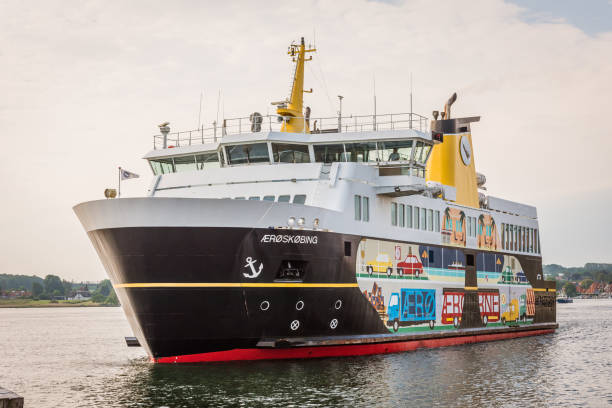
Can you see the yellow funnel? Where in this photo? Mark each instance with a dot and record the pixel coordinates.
(452, 161)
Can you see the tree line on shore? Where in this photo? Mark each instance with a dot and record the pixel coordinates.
(574, 280)
(52, 287)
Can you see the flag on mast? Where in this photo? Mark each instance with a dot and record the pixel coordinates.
(125, 175)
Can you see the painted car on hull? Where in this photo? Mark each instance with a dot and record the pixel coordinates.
(382, 264)
(410, 266)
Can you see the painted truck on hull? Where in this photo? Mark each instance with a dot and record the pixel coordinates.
(412, 306)
(527, 305)
(452, 307)
(511, 314)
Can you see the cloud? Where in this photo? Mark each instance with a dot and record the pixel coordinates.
(85, 85)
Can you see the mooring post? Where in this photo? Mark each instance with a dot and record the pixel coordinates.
(9, 399)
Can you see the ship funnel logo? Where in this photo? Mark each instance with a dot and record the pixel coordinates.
(250, 263)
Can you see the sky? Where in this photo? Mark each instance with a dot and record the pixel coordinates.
(83, 86)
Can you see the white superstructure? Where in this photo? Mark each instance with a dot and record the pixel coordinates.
(370, 183)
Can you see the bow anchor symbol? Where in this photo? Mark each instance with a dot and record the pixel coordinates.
(250, 263)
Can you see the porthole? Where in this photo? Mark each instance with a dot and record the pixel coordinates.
(265, 305)
(295, 325)
(338, 304)
(299, 305)
(333, 324)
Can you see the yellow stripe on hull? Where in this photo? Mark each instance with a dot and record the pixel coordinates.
(233, 285)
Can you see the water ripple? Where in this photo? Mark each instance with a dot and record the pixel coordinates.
(76, 357)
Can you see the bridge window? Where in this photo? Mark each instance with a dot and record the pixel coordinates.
(395, 150)
(290, 153)
(357, 208)
(207, 160)
(248, 153)
(424, 153)
(437, 221)
(254, 198)
(430, 225)
(284, 198)
(394, 214)
(269, 198)
(402, 214)
(418, 151)
(416, 217)
(162, 166)
(329, 153)
(185, 163)
(360, 152)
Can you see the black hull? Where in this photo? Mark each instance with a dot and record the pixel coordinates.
(191, 290)
(177, 320)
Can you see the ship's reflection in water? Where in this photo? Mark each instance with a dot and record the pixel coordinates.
(572, 367)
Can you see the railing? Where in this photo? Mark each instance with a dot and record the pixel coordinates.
(270, 123)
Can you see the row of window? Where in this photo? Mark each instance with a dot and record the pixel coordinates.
(522, 239)
(470, 227)
(362, 208)
(184, 163)
(404, 150)
(408, 216)
(297, 199)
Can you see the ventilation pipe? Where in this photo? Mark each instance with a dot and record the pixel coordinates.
(447, 106)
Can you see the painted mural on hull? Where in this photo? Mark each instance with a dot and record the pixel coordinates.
(455, 230)
(418, 287)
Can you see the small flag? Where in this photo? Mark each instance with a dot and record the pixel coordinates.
(125, 175)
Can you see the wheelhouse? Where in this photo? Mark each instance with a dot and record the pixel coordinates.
(402, 152)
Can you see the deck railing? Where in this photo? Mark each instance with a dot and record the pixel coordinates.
(270, 123)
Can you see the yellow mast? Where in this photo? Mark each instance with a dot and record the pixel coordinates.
(292, 109)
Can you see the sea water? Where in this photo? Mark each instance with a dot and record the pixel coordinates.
(77, 357)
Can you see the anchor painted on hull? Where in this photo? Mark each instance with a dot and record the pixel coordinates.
(250, 262)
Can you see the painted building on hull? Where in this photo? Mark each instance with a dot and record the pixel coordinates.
(285, 232)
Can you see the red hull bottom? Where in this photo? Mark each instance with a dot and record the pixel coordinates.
(344, 350)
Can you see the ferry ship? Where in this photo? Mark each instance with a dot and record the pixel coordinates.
(285, 236)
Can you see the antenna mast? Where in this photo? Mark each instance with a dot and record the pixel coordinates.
(291, 110)
(200, 113)
(411, 100)
(218, 101)
(374, 121)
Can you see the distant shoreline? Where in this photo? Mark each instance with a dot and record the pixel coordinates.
(30, 303)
